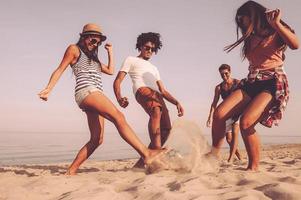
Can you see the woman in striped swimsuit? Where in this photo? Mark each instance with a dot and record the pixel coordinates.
(263, 95)
(87, 69)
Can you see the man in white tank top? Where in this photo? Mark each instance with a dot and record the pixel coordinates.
(148, 89)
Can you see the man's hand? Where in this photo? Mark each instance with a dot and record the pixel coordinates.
(44, 94)
(123, 102)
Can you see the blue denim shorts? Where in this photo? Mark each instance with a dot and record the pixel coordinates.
(253, 89)
(83, 93)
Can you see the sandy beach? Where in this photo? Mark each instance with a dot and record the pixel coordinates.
(96, 75)
(279, 178)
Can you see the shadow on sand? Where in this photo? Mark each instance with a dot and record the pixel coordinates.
(53, 169)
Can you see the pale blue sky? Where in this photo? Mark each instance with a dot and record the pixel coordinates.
(35, 34)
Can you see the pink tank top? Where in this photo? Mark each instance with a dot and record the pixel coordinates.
(266, 53)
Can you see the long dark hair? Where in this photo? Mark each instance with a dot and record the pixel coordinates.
(258, 22)
(93, 55)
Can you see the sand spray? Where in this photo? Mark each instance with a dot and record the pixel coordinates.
(187, 149)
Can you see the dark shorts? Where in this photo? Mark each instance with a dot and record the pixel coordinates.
(149, 99)
(254, 88)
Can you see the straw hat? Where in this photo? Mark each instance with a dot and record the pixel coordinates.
(93, 29)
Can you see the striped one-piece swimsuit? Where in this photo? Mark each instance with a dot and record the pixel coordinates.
(87, 73)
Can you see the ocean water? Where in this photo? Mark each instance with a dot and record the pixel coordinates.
(42, 148)
(45, 148)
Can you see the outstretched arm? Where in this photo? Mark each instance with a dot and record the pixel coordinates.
(70, 55)
(213, 105)
(285, 33)
(170, 98)
(123, 101)
(108, 69)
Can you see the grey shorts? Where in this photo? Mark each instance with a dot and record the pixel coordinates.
(83, 93)
(229, 123)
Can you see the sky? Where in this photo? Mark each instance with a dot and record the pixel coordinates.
(36, 33)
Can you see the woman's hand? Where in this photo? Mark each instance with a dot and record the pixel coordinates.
(209, 123)
(44, 94)
(273, 17)
(180, 110)
(109, 47)
(287, 34)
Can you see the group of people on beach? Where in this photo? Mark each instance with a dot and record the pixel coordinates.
(260, 97)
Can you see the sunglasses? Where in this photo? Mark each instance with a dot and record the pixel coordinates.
(93, 41)
(225, 73)
(148, 48)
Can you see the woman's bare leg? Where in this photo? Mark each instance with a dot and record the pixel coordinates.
(251, 116)
(231, 106)
(96, 126)
(98, 102)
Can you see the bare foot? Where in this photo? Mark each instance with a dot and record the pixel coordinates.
(252, 169)
(70, 173)
(210, 155)
(153, 154)
(139, 164)
(238, 155)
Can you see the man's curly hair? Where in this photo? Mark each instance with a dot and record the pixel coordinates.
(149, 37)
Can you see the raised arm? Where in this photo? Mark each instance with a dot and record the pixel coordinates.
(213, 105)
(284, 32)
(108, 69)
(170, 98)
(123, 101)
(70, 56)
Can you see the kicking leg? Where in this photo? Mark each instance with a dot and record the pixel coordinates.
(98, 102)
(231, 106)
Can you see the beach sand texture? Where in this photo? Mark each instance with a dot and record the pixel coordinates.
(187, 177)
(279, 178)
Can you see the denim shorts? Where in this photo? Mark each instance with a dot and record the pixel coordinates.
(253, 89)
(83, 93)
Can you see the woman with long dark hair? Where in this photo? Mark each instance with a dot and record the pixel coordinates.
(83, 59)
(263, 95)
